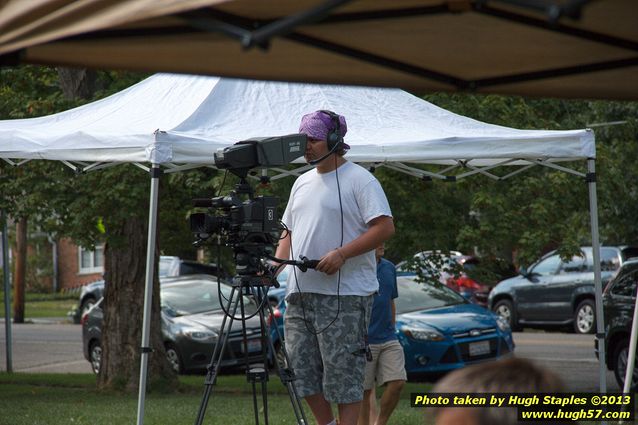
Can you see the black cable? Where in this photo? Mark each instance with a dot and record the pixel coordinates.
(223, 183)
(303, 310)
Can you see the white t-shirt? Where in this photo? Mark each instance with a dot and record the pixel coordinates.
(314, 217)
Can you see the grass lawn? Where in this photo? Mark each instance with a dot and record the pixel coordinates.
(56, 399)
(45, 305)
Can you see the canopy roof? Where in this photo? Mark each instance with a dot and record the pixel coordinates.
(179, 120)
(526, 47)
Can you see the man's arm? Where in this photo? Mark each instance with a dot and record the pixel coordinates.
(379, 230)
(394, 313)
(283, 249)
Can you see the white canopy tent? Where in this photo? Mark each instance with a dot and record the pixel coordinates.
(176, 122)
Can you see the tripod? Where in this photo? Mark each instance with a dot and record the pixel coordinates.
(252, 286)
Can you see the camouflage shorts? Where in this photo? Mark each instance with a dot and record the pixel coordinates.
(331, 362)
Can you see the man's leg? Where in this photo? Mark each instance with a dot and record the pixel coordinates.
(343, 362)
(349, 413)
(389, 401)
(374, 410)
(305, 356)
(365, 416)
(320, 409)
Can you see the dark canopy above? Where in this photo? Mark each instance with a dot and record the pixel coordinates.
(505, 46)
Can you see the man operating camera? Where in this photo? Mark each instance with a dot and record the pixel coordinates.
(337, 213)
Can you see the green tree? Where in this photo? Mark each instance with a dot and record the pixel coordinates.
(543, 209)
(82, 207)
(24, 93)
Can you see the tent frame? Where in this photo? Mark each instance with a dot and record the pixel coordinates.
(243, 29)
(590, 178)
(155, 172)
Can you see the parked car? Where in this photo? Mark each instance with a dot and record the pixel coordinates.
(440, 330)
(553, 292)
(277, 300)
(169, 266)
(191, 318)
(458, 272)
(471, 289)
(434, 261)
(619, 300)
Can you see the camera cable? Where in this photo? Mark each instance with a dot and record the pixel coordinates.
(303, 309)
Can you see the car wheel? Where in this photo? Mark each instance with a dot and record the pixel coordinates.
(585, 317)
(505, 309)
(621, 353)
(95, 356)
(173, 358)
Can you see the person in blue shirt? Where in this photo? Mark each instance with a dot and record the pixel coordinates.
(387, 367)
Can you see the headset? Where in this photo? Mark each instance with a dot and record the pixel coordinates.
(333, 138)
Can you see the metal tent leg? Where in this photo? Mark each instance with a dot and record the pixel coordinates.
(598, 287)
(7, 291)
(631, 356)
(148, 290)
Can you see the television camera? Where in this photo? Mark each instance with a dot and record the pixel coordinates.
(248, 224)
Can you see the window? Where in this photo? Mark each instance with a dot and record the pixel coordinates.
(576, 265)
(609, 260)
(625, 285)
(548, 266)
(91, 261)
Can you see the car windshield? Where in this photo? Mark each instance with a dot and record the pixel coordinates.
(415, 296)
(167, 265)
(196, 296)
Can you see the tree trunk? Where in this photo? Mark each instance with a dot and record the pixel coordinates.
(77, 83)
(125, 265)
(20, 270)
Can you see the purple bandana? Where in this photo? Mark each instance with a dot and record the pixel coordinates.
(318, 124)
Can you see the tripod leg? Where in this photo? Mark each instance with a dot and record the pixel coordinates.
(215, 362)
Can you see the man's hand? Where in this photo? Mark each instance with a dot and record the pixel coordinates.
(331, 262)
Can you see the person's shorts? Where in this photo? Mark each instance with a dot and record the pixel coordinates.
(388, 364)
(325, 340)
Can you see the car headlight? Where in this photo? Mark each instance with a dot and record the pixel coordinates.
(502, 324)
(200, 334)
(423, 334)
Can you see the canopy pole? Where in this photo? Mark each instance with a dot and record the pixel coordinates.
(6, 271)
(631, 355)
(598, 287)
(148, 289)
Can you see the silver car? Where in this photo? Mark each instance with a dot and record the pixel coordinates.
(191, 318)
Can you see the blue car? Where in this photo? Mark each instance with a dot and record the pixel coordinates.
(276, 296)
(441, 331)
(438, 328)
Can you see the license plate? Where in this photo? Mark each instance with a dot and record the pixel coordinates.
(253, 345)
(479, 348)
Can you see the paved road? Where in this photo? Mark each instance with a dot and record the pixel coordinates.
(571, 356)
(44, 347)
(57, 348)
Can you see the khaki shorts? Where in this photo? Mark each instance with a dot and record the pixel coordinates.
(388, 364)
(332, 362)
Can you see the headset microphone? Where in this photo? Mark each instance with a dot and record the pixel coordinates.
(317, 161)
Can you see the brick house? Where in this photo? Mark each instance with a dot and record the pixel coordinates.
(78, 266)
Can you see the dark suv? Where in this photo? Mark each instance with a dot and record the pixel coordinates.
(553, 292)
(618, 303)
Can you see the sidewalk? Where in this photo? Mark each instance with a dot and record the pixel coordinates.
(43, 320)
